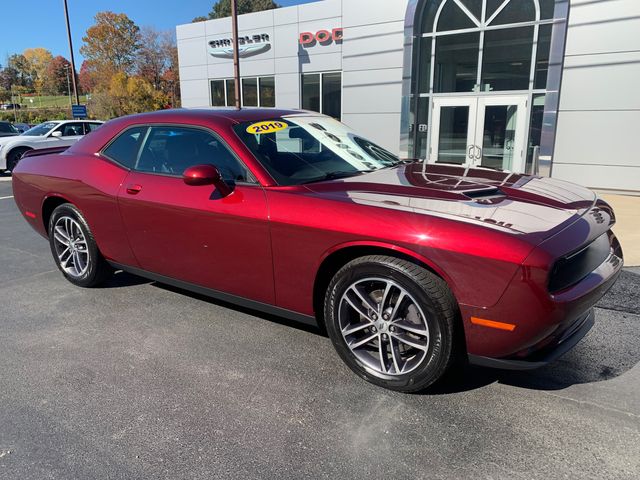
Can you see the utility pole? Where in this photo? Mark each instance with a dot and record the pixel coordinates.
(236, 52)
(73, 63)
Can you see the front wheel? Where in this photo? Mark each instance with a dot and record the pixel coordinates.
(14, 157)
(392, 322)
(74, 248)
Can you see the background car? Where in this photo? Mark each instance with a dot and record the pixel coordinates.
(10, 106)
(8, 130)
(22, 127)
(62, 133)
(410, 267)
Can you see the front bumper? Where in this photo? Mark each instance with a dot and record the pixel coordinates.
(550, 353)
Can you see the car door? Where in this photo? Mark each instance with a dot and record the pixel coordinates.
(71, 133)
(190, 233)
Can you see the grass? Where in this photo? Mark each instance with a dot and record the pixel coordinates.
(49, 101)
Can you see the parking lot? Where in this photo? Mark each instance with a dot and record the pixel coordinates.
(140, 380)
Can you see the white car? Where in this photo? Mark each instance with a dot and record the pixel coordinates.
(61, 133)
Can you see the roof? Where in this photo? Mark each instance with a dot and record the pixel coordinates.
(243, 115)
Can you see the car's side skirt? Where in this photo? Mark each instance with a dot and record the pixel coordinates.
(225, 297)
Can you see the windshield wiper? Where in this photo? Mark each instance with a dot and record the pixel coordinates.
(337, 175)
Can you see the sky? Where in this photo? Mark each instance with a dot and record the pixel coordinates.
(43, 25)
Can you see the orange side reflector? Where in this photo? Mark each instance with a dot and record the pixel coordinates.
(491, 324)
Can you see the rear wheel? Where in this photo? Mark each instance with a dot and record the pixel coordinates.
(392, 322)
(14, 157)
(74, 248)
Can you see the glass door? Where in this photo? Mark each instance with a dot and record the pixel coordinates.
(454, 130)
(480, 132)
(500, 132)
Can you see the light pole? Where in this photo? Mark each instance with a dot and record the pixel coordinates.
(236, 52)
(66, 69)
(73, 63)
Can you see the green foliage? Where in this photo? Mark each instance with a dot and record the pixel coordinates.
(222, 8)
(36, 116)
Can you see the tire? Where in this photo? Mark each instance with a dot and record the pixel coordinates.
(14, 157)
(412, 347)
(82, 264)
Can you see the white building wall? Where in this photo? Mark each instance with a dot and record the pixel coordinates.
(373, 54)
(599, 112)
(370, 58)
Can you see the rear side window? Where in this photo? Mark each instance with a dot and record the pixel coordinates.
(90, 127)
(124, 149)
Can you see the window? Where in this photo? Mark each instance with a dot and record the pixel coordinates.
(250, 92)
(256, 92)
(311, 149)
(90, 127)
(267, 91)
(476, 47)
(124, 149)
(456, 66)
(171, 150)
(218, 98)
(322, 92)
(7, 128)
(71, 129)
(506, 63)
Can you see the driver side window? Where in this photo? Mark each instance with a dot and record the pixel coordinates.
(71, 129)
(171, 150)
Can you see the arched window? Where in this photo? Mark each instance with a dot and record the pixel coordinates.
(482, 45)
(477, 47)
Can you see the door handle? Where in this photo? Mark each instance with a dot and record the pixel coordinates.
(134, 189)
(471, 150)
(479, 153)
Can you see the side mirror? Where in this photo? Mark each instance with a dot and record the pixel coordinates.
(199, 175)
(57, 134)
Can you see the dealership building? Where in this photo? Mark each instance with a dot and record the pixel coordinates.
(537, 86)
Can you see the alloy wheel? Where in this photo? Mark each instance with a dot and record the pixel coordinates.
(71, 246)
(383, 326)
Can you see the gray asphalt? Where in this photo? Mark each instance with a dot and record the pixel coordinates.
(139, 380)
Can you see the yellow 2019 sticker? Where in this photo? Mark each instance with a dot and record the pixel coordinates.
(266, 127)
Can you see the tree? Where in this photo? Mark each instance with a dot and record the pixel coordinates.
(38, 60)
(126, 95)
(87, 77)
(111, 44)
(8, 78)
(152, 58)
(222, 8)
(58, 76)
(21, 66)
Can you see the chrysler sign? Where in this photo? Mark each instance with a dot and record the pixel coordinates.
(248, 46)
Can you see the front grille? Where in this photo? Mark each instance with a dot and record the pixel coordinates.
(572, 268)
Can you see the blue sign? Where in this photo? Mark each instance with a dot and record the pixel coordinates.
(79, 111)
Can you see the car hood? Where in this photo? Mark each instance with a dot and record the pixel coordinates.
(518, 204)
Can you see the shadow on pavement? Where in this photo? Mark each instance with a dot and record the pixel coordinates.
(584, 364)
(122, 279)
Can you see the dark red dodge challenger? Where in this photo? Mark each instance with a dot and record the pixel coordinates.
(408, 266)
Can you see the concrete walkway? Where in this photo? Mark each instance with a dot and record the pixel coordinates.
(627, 228)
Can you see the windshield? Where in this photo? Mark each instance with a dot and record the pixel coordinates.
(40, 130)
(302, 149)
